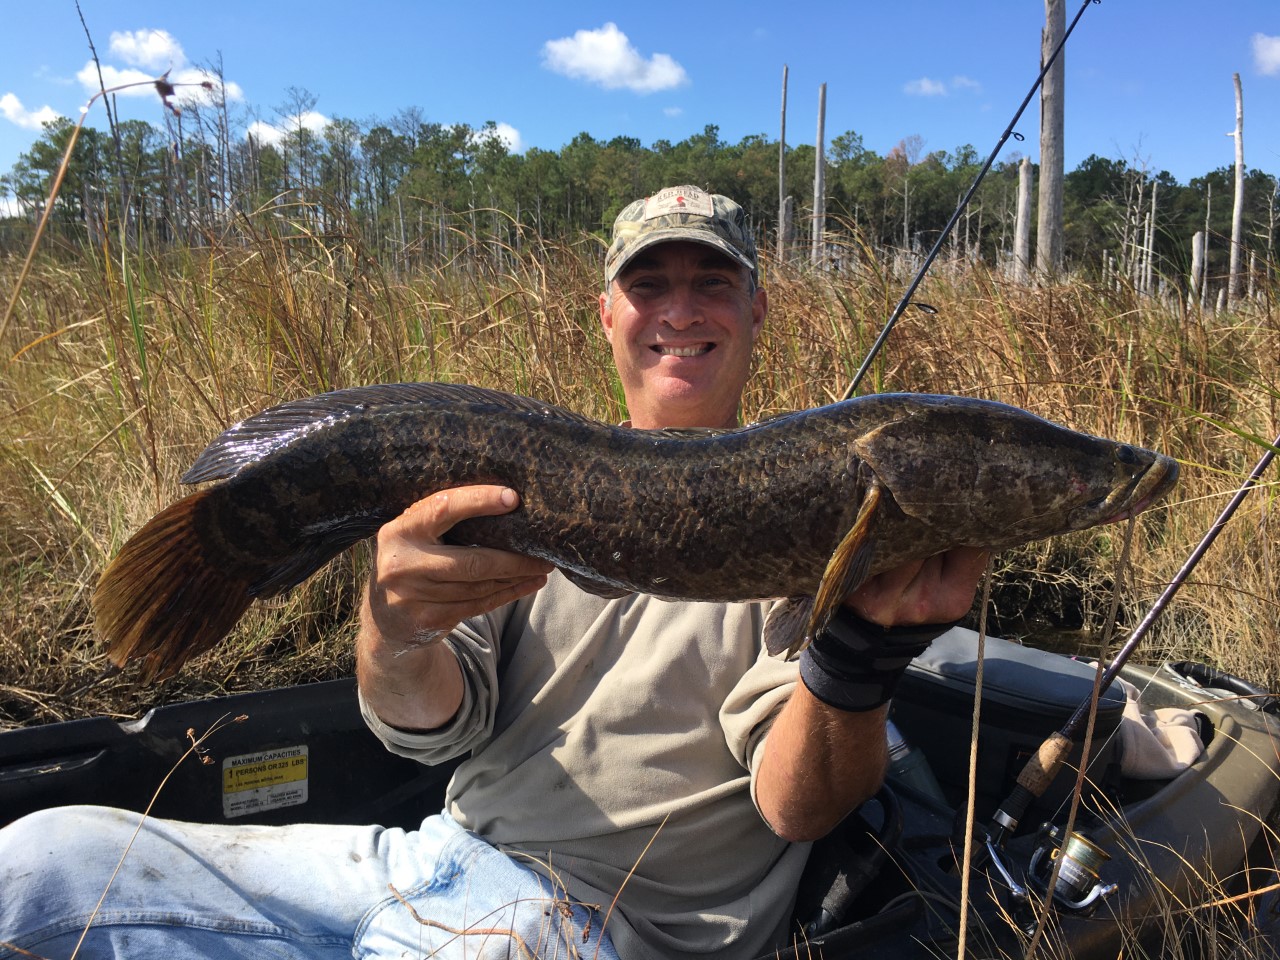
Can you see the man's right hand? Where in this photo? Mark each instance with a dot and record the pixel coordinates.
(419, 590)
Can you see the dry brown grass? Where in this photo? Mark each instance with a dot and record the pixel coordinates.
(116, 370)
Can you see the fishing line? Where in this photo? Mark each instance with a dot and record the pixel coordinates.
(964, 202)
(1122, 565)
(971, 801)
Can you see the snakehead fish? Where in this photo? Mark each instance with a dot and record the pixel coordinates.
(803, 506)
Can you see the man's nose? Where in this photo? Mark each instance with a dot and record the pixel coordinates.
(681, 309)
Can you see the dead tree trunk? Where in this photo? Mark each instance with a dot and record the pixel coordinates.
(788, 222)
(1235, 284)
(820, 181)
(1149, 254)
(1197, 270)
(782, 175)
(1022, 225)
(1049, 237)
(1208, 209)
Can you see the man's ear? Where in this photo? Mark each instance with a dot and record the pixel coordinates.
(759, 309)
(606, 316)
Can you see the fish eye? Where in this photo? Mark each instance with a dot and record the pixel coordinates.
(1127, 455)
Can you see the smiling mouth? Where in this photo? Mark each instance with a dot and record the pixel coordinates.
(688, 350)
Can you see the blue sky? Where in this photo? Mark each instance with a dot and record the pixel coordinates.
(1147, 80)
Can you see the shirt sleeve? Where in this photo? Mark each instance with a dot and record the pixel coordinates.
(476, 644)
(747, 714)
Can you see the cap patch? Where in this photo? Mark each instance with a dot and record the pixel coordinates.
(679, 200)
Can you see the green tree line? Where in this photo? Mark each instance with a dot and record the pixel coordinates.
(412, 190)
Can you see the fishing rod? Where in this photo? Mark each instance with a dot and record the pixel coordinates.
(1044, 765)
(960, 208)
(1041, 769)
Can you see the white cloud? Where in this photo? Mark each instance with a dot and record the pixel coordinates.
(115, 77)
(11, 109)
(510, 136)
(607, 58)
(928, 87)
(273, 133)
(150, 49)
(924, 87)
(263, 132)
(505, 132)
(673, 111)
(44, 73)
(187, 80)
(147, 55)
(1266, 54)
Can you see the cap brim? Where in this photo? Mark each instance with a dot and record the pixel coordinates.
(672, 234)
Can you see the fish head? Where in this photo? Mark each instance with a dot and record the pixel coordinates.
(992, 475)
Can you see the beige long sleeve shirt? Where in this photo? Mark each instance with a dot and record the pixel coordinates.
(622, 722)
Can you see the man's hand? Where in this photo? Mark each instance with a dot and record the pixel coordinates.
(855, 663)
(822, 761)
(937, 590)
(419, 590)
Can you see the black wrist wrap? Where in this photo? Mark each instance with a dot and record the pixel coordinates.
(855, 664)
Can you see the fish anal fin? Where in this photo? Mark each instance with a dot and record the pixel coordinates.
(599, 588)
(787, 619)
(846, 569)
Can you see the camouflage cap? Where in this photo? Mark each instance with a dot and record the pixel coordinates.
(681, 213)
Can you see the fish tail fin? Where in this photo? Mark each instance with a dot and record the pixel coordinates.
(163, 599)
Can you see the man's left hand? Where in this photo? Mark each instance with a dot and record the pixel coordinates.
(937, 590)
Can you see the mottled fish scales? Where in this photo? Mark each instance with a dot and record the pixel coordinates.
(761, 511)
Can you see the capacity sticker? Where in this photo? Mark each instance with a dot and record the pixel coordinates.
(253, 782)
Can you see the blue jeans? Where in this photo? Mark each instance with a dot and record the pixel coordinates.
(320, 892)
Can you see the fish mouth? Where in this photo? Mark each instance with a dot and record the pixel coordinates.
(1145, 489)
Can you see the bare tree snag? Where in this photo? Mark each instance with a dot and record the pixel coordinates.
(1049, 236)
(820, 181)
(1022, 225)
(1197, 269)
(782, 175)
(1237, 208)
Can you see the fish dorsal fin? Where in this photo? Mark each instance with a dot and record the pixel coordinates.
(846, 569)
(688, 433)
(277, 427)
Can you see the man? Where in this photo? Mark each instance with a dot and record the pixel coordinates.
(641, 777)
(682, 311)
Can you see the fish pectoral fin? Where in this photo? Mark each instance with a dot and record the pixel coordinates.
(793, 622)
(785, 622)
(846, 569)
(599, 588)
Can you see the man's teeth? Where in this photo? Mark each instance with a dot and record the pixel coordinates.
(683, 351)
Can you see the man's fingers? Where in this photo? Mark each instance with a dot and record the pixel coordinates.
(965, 562)
(455, 611)
(445, 566)
(935, 590)
(431, 517)
(409, 547)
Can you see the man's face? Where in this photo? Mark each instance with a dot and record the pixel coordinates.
(682, 322)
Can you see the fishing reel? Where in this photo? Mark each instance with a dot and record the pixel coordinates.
(1079, 862)
(1078, 887)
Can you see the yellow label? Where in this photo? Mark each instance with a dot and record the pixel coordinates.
(262, 781)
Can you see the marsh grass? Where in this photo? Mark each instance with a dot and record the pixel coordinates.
(119, 367)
